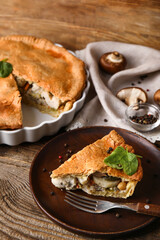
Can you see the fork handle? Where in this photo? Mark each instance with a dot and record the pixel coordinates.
(149, 209)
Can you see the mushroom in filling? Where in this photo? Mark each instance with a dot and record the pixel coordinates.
(35, 95)
(96, 182)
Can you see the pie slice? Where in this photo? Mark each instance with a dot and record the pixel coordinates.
(48, 76)
(10, 104)
(86, 170)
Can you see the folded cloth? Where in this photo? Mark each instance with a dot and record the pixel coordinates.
(102, 106)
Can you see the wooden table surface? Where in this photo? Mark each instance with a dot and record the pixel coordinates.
(72, 24)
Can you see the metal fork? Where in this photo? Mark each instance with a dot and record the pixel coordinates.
(91, 205)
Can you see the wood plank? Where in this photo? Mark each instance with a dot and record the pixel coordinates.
(75, 24)
(74, 37)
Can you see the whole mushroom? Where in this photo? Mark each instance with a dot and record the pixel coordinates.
(132, 95)
(112, 62)
(157, 96)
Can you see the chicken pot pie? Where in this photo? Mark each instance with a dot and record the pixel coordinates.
(48, 76)
(10, 104)
(88, 171)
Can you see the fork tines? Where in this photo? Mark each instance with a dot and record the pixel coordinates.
(81, 202)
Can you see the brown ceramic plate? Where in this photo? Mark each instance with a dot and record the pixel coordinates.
(95, 225)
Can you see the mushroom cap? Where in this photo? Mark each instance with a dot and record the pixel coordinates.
(157, 96)
(112, 62)
(132, 95)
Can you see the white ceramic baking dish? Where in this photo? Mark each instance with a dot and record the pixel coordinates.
(37, 125)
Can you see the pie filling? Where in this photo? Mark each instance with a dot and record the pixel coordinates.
(34, 95)
(96, 184)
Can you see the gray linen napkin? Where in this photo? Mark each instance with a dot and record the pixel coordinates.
(102, 107)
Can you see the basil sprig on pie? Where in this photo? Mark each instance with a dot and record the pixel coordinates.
(122, 159)
(5, 68)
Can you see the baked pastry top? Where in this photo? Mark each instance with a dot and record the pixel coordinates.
(51, 67)
(10, 104)
(90, 159)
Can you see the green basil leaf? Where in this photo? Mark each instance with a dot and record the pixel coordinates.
(120, 158)
(139, 156)
(115, 159)
(5, 68)
(131, 165)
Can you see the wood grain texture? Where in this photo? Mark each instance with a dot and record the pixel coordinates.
(76, 23)
(72, 24)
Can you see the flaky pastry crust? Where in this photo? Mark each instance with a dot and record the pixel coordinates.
(10, 104)
(91, 159)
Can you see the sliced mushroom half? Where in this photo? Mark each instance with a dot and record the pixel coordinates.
(132, 95)
(157, 96)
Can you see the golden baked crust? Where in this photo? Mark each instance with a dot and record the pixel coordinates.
(10, 104)
(90, 159)
(51, 67)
